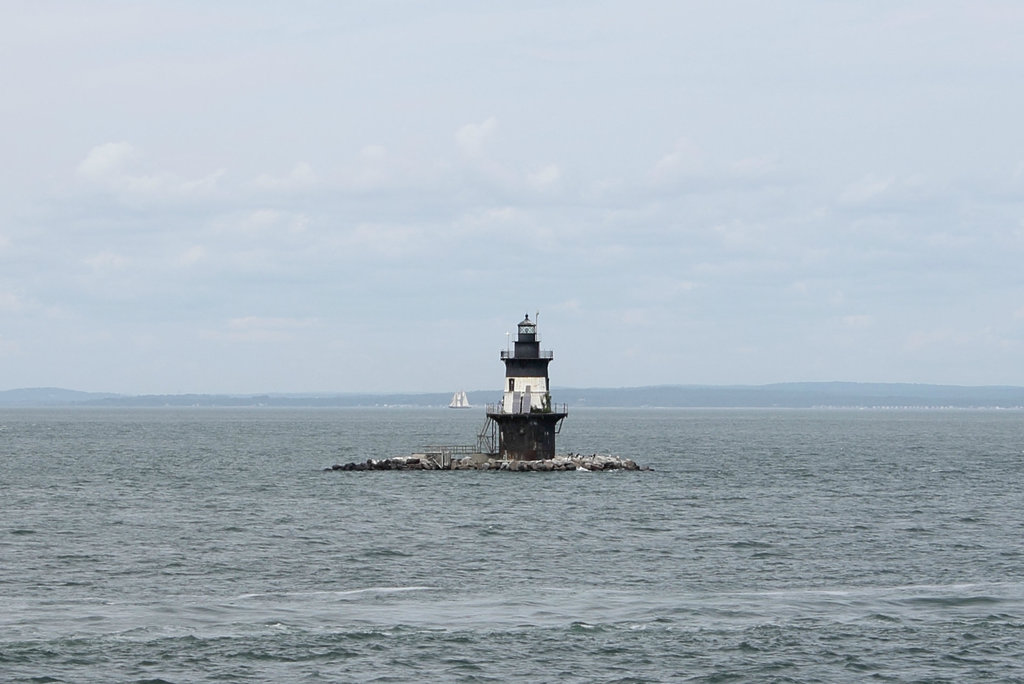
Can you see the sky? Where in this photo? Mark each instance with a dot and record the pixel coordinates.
(246, 197)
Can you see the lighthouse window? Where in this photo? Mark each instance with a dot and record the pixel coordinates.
(511, 384)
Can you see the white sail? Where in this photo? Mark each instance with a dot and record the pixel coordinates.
(459, 400)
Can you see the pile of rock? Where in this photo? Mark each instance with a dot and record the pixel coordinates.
(398, 463)
(559, 463)
(593, 462)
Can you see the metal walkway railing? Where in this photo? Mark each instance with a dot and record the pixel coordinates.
(442, 455)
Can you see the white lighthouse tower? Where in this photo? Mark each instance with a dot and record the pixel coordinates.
(526, 422)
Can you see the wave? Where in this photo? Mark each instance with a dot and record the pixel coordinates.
(332, 592)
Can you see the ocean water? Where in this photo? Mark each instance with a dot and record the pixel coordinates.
(209, 545)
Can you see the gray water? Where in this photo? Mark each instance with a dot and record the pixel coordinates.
(209, 545)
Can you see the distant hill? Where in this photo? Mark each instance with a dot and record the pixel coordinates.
(49, 396)
(782, 395)
(279, 400)
(800, 395)
(53, 396)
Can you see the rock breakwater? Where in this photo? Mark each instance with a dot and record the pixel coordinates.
(568, 462)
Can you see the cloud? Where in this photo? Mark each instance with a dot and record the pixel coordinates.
(753, 166)
(106, 261)
(958, 344)
(391, 241)
(114, 167)
(683, 159)
(572, 306)
(857, 321)
(545, 178)
(259, 329)
(10, 302)
(471, 138)
(376, 168)
(739, 196)
(192, 255)
(499, 215)
(262, 223)
(742, 235)
(921, 340)
(197, 186)
(261, 219)
(108, 161)
(712, 169)
(301, 177)
(866, 189)
(8, 348)
(874, 191)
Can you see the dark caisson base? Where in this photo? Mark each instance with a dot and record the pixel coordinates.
(526, 436)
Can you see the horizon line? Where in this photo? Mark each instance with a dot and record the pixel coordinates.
(329, 393)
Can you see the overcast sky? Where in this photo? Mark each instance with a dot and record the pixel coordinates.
(366, 196)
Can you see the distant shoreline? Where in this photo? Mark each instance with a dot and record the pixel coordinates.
(835, 395)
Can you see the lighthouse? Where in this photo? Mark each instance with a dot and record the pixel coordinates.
(526, 420)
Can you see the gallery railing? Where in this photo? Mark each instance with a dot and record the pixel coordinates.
(542, 354)
(500, 409)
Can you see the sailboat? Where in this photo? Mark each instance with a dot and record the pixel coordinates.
(459, 400)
